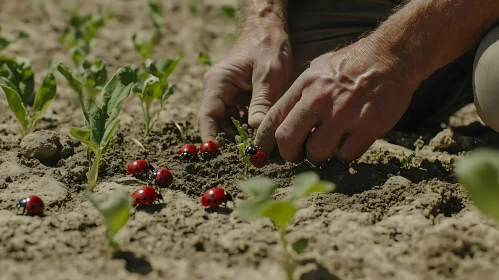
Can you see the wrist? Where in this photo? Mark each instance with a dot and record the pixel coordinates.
(258, 14)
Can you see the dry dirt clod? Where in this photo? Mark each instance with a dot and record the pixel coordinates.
(47, 146)
(443, 140)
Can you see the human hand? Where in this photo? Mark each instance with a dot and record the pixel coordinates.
(360, 91)
(259, 63)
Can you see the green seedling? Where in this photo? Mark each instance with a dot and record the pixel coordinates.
(19, 92)
(40, 6)
(152, 87)
(91, 74)
(82, 30)
(197, 7)
(228, 12)
(205, 59)
(280, 212)
(406, 160)
(101, 124)
(115, 212)
(155, 13)
(479, 174)
(5, 41)
(242, 142)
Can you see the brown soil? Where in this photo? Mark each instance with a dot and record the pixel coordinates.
(385, 221)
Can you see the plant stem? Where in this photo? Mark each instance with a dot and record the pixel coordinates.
(289, 264)
(94, 171)
(148, 120)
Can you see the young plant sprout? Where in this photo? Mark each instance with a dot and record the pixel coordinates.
(19, 93)
(205, 59)
(251, 154)
(479, 173)
(101, 124)
(155, 13)
(4, 41)
(115, 212)
(82, 29)
(406, 160)
(280, 212)
(152, 85)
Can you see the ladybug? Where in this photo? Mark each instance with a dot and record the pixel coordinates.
(139, 167)
(188, 151)
(215, 197)
(259, 159)
(250, 150)
(208, 149)
(32, 204)
(162, 177)
(145, 195)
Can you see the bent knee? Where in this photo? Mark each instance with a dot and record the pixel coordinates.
(486, 79)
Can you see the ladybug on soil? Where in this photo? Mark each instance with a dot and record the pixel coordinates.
(146, 195)
(32, 205)
(162, 177)
(215, 197)
(208, 150)
(139, 167)
(188, 151)
(257, 157)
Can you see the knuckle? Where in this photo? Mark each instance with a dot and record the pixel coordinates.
(282, 136)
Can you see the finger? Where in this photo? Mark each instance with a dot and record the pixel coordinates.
(220, 89)
(265, 135)
(356, 144)
(294, 130)
(324, 141)
(268, 81)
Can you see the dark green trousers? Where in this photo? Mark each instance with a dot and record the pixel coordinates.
(320, 26)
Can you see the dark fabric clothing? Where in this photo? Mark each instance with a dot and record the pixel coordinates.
(320, 26)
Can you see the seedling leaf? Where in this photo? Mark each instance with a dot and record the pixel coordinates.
(229, 11)
(117, 90)
(45, 95)
(300, 245)
(155, 12)
(479, 174)
(205, 59)
(167, 66)
(72, 78)
(97, 122)
(280, 212)
(115, 212)
(168, 93)
(17, 106)
(83, 135)
(251, 210)
(307, 183)
(151, 89)
(261, 188)
(242, 132)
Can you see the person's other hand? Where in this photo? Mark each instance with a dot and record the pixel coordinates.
(257, 67)
(360, 91)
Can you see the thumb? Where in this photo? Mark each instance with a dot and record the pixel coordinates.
(268, 82)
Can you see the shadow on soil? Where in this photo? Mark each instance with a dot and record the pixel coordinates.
(317, 273)
(351, 179)
(134, 264)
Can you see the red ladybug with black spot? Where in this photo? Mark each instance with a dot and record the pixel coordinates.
(258, 158)
(215, 197)
(146, 195)
(31, 205)
(188, 151)
(162, 177)
(208, 150)
(139, 167)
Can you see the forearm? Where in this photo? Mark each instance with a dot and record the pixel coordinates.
(264, 12)
(428, 34)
